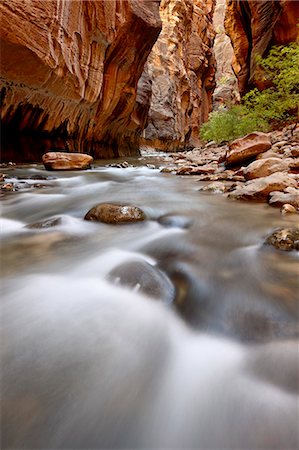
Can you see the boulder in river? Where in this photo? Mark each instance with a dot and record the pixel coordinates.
(286, 239)
(66, 161)
(246, 148)
(115, 213)
(144, 278)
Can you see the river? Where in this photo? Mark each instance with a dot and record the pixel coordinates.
(92, 363)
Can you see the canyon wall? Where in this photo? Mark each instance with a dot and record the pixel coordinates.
(254, 26)
(181, 67)
(71, 71)
(226, 92)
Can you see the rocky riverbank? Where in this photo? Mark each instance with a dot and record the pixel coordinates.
(259, 167)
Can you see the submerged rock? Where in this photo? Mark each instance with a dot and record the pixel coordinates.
(173, 221)
(66, 161)
(286, 239)
(115, 213)
(47, 223)
(247, 147)
(141, 276)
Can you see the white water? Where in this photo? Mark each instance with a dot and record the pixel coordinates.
(90, 365)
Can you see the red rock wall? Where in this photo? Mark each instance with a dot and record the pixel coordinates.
(182, 68)
(226, 92)
(70, 68)
(254, 26)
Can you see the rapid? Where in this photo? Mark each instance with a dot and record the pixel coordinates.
(208, 360)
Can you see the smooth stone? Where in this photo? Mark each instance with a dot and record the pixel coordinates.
(264, 167)
(247, 147)
(217, 187)
(66, 161)
(47, 223)
(145, 278)
(289, 196)
(260, 188)
(115, 213)
(288, 209)
(173, 221)
(285, 239)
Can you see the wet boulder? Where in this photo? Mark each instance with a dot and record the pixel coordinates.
(246, 148)
(115, 213)
(265, 167)
(66, 161)
(286, 239)
(145, 278)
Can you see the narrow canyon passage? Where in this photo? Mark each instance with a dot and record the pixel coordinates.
(200, 350)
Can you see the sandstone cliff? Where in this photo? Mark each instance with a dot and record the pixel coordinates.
(70, 68)
(226, 91)
(254, 26)
(181, 67)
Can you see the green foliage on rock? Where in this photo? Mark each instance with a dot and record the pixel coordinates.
(262, 110)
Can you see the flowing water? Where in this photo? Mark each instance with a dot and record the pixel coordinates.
(199, 350)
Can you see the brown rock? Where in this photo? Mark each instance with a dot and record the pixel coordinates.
(264, 167)
(72, 66)
(290, 196)
(115, 213)
(294, 165)
(66, 161)
(7, 187)
(286, 239)
(217, 187)
(288, 209)
(190, 170)
(269, 154)
(247, 147)
(260, 188)
(295, 152)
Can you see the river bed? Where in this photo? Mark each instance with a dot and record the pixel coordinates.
(90, 363)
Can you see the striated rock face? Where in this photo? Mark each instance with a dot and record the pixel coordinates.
(254, 26)
(226, 92)
(70, 70)
(181, 67)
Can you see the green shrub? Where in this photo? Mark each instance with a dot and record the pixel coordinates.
(227, 125)
(266, 109)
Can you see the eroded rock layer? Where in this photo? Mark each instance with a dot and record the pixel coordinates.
(181, 67)
(70, 68)
(226, 92)
(254, 26)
